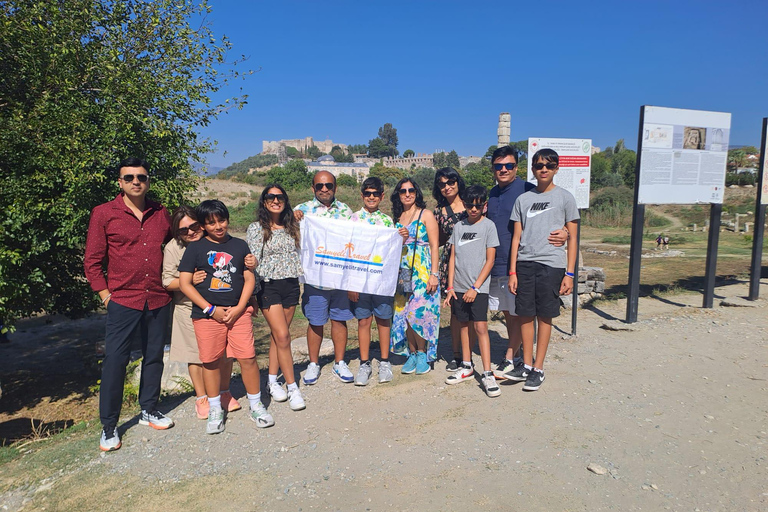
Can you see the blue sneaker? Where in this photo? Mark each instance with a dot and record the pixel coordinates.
(422, 366)
(410, 364)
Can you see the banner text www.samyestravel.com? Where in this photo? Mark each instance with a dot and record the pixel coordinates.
(348, 267)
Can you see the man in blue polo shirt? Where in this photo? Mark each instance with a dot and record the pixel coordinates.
(500, 202)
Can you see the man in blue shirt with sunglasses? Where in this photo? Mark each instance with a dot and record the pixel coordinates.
(501, 199)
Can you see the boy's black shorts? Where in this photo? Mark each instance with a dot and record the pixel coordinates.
(538, 289)
(475, 311)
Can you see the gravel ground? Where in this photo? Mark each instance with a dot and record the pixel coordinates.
(668, 416)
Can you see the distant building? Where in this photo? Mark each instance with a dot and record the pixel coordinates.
(272, 147)
(327, 163)
(420, 160)
(595, 149)
(466, 160)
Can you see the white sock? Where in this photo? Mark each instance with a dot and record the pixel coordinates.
(528, 367)
(272, 378)
(254, 400)
(201, 396)
(467, 364)
(293, 387)
(537, 370)
(214, 402)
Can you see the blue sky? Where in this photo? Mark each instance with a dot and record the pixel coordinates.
(441, 72)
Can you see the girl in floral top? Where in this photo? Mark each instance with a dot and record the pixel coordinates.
(274, 240)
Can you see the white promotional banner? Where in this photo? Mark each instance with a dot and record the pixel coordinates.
(352, 256)
(575, 165)
(683, 156)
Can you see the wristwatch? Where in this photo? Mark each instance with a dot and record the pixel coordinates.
(435, 274)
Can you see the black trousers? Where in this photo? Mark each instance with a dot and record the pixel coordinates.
(121, 322)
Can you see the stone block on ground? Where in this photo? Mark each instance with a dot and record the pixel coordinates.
(618, 325)
(300, 351)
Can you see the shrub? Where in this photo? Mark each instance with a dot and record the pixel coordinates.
(345, 180)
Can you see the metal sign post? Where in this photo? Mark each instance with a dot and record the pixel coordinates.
(755, 268)
(575, 292)
(636, 243)
(710, 272)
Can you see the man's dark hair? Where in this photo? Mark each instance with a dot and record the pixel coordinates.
(546, 154)
(132, 162)
(374, 183)
(474, 194)
(210, 209)
(503, 152)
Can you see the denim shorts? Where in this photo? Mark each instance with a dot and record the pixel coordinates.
(320, 305)
(368, 305)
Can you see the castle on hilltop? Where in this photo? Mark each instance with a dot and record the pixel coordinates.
(272, 147)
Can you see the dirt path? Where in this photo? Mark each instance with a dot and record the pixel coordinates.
(674, 412)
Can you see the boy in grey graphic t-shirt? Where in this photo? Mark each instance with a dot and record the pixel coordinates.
(473, 252)
(538, 271)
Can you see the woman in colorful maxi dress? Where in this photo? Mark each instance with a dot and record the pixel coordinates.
(416, 321)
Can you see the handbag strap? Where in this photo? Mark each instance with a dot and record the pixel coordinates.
(454, 217)
(415, 240)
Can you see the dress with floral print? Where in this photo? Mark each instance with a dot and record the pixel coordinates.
(446, 222)
(419, 309)
(377, 218)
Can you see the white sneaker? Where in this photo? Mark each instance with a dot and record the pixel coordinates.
(261, 417)
(312, 373)
(277, 392)
(341, 370)
(385, 372)
(295, 400)
(215, 424)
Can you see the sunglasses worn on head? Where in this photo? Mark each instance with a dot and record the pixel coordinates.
(409, 190)
(508, 166)
(128, 178)
(194, 227)
(469, 206)
(271, 197)
(319, 186)
(372, 193)
(442, 184)
(539, 166)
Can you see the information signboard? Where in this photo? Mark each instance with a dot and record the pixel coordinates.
(575, 164)
(683, 156)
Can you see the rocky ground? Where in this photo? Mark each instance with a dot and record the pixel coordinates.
(670, 415)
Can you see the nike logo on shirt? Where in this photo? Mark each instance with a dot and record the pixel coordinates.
(467, 238)
(537, 208)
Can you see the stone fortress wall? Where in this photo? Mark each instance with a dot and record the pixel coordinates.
(271, 147)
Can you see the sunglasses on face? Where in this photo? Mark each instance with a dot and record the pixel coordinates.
(507, 166)
(319, 186)
(194, 227)
(539, 166)
(469, 206)
(271, 197)
(372, 193)
(409, 190)
(442, 184)
(128, 178)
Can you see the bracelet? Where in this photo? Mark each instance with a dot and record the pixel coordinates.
(207, 309)
(449, 289)
(435, 275)
(569, 274)
(213, 308)
(105, 299)
(513, 273)
(473, 287)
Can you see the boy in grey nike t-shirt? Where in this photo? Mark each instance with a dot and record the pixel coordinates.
(540, 272)
(473, 252)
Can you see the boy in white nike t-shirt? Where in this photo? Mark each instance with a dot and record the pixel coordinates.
(538, 271)
(473, 252)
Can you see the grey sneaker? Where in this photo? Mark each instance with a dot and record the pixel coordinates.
(517, 374)
(490, 386)
(261, 417)
(155, 419)
(363, 374)
(215, 424)
(385, 372)
(503, 367)
(110, 440)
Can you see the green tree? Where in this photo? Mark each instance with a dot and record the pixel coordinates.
(601, 167)
(293, 175)
(439, 160)
(345, 180)
(389, 175)
(425, 177)
(357, 149)
(452, 160)
(408, 153)
(388, 135)
(377, 148)
(83, 84)
(478, 173)
(313, 152)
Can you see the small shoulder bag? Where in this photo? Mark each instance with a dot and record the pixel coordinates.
(405, 277)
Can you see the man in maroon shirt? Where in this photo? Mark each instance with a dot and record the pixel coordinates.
(127, 234)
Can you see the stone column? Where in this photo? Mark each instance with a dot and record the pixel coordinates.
(504, 129)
